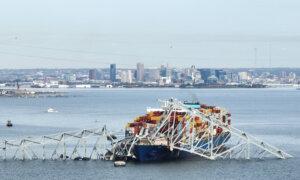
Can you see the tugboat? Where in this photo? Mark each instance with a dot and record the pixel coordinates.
(8, 123)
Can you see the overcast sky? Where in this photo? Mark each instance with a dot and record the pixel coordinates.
(94, 33)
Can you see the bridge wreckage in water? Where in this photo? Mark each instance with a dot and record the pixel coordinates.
(176, 130)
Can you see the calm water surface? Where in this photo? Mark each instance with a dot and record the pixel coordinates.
(271, 114)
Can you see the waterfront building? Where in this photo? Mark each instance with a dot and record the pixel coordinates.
(70, 77)
(212, 79)
(83, 86)
(93, 74)
(165, 81)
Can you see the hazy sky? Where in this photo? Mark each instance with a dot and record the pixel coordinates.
(94, 33)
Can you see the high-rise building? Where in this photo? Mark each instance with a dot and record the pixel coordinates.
(153, 75)
(123, 76)
(205, 74)
(243, 76)
(100, 74)
(292, 75)
(232, 77)
(283, 74)
(126, 76)
(163, 71)
(140, 72)
(129, 76)
(93, 74)
(220, 74)
(113, 72)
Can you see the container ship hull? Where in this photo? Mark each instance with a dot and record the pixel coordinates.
(145, 153)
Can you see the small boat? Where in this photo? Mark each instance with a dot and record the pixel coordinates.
(51, 110)
(9, 124)
(82, 158)
(85, 158)
(119, 163)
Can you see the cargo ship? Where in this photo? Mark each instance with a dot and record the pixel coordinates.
(159, 149)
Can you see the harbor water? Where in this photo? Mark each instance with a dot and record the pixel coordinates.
(269, 114)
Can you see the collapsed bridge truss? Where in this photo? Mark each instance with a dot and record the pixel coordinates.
(78, 145)
(182, 136)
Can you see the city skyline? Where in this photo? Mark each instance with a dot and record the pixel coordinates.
(165, 76)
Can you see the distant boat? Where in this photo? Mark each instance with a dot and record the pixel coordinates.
(8, 123)
(51, 110)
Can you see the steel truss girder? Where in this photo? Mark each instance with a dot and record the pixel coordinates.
(59, 146)
(239, 142)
